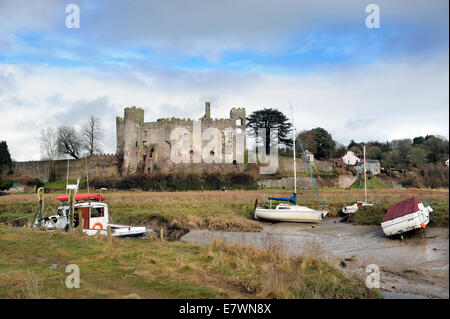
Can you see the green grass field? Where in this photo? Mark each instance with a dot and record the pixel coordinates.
(155, 269)
(33, 263)
(377, 184)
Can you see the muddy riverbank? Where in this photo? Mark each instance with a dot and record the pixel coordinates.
(416, 267)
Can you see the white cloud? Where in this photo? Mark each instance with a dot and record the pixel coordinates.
(380, 101)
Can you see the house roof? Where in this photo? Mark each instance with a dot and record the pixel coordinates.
(369, 161)
(403, 208)
(350, 153)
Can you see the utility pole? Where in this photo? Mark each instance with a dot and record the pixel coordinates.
(365, 175)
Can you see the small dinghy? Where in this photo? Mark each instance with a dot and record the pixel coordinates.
(351, 209)
(354, 208)
(406, 216)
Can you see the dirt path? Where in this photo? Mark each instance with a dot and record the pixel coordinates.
(414, 267)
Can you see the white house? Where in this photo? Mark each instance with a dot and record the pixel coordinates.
(372, 166)
(350, 158)
(309, 156)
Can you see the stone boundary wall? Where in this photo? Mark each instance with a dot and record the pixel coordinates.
(285, 165)
(98, 165)
(108, 165)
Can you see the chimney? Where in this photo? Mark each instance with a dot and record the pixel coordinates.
(207, 110)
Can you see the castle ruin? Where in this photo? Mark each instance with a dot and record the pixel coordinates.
(143, 147)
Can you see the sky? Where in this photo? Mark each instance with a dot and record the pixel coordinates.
(171, 56)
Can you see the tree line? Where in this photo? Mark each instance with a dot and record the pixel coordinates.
(68, 142)
(401, 153)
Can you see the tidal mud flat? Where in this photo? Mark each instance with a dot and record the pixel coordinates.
(416, 267)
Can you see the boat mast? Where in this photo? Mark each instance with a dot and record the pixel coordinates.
(87, 174)
(293, 142)
(365, 175)
(67, 175)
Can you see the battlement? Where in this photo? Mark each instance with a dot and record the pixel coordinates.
(109, 155)
(142, 145)
(135, 114)
(172, 120)
(237, 112)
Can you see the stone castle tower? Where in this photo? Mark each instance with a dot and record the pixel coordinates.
(144, 147)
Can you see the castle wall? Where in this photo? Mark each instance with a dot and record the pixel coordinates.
(98, 165)
(147, 146)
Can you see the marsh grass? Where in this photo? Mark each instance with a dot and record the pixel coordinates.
(271, 273)
(32, 286)
(217, 210)
(120, 268)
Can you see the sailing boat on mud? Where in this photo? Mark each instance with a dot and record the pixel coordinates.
(354, 208)
(292, 213)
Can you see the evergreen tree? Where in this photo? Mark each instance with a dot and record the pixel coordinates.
(5, 166)
(5, 158)
(325, 143)
(270, 119)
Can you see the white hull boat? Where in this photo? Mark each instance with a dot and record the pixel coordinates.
(91, 215)
(354, 208)
(290, 213)
(351, 209)
(406, 216)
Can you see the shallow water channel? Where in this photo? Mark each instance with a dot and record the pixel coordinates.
(416, 267)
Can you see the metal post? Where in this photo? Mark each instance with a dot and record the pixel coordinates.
(67, 175)
(87, 174)
(40, 193)
(293, 142)
(72, 207)
(365, 175)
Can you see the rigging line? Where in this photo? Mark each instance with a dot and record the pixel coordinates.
(8, 221)
(309, 169)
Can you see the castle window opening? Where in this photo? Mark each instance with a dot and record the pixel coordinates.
(239, 122)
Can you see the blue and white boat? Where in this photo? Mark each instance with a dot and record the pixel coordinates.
(285, 212)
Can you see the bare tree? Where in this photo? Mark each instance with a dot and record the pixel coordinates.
(68, 142)
(49, 147)
(92, 135)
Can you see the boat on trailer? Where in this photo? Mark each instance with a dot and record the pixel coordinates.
(284, 212)
(89, 211)
(406, 216)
